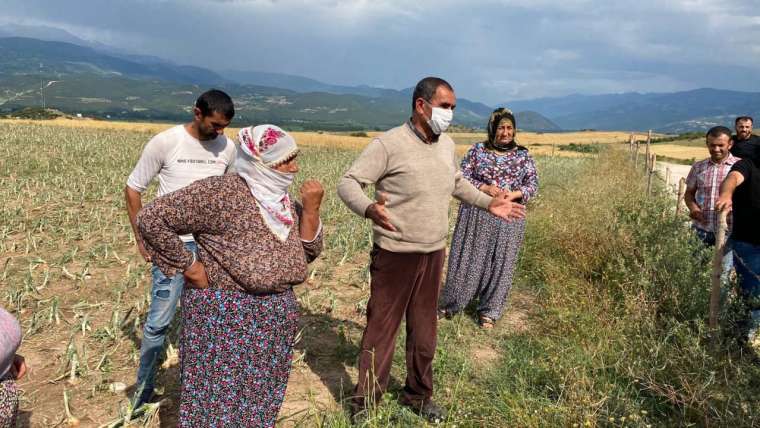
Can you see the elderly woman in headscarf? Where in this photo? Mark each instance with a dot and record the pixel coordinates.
(12, 368)
(239, 312)
(484, 248)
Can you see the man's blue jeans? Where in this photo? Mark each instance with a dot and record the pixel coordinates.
(165, 294)
(747, 262)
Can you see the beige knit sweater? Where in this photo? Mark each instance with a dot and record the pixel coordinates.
(419, 180)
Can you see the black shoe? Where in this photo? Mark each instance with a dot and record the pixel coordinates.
(429, 410)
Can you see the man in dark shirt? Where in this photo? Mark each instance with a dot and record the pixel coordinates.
(740, 192)
(745, 144)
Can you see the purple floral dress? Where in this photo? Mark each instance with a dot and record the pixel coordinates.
(484, 248)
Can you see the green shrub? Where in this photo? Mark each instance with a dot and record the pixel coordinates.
(581, 148)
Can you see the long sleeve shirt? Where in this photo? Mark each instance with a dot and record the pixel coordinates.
(510, 171)
(235, 245)
(419, 179)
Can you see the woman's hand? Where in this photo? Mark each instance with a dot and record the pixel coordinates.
(18, 368)
(195, 276)
(490, 189)
(311, 196)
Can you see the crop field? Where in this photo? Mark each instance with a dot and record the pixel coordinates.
(676, 151)
(538, 143)
(605, 325)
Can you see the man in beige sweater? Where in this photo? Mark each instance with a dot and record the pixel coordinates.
(414, 170)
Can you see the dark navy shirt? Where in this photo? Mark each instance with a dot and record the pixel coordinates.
(749, 148)
(746, 203)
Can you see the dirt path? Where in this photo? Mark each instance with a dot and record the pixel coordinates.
(677, 171)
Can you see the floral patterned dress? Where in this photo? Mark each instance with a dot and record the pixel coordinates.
(484, 248)
(10, 340)
(237, 335)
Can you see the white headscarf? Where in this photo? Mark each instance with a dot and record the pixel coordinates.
(261, 149)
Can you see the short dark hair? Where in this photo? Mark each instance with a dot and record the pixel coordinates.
(426, 88)
(743, 118)
(717, 131)
(215, 100)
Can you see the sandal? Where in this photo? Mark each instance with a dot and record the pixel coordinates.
(485, 322)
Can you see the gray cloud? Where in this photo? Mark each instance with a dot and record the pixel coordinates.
(491, 50)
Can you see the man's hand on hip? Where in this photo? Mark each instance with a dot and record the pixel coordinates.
(379, 214)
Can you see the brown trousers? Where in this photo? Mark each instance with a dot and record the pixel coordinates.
(402, 284)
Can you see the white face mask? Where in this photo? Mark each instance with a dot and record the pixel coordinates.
(440, 119)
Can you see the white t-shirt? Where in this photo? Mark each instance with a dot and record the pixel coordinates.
(179, 159)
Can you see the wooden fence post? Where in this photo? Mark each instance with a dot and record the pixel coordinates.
(667, 179)
(681, 194)
(630, 143)
(717, 269)
(649, 141)
(636, 156)
(650, 172)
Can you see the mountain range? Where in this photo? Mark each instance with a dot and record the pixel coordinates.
(79, 76)
(675, 112)
(79, 79)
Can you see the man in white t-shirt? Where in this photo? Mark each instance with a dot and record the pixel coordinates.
(178, 157)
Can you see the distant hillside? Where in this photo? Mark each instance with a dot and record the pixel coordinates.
(83, 80)
(302, 84)
(684, 111)
(53, 60)
(532, 121)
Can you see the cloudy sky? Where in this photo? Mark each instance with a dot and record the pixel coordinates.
(490, 50)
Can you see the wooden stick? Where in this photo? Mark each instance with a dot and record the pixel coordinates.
(667, 178)
(636, 156)
(681, 194)
(650, 173)
(649, 141)
(717, 269)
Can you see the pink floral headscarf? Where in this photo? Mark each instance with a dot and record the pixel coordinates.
(262, 148)
(268, 143)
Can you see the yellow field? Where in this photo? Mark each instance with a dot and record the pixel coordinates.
(540, 144)
(680, 152)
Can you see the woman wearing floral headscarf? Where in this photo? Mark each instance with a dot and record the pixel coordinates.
(239, 312)
(484, 248)
(12, 368)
